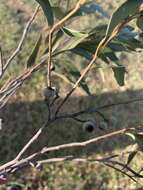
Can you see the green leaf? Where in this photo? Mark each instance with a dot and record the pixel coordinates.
(74, 33)
(130, 7)
(72, 43)
(140, 21)
(47, 9)
(131, 135)
(119, 74)
(32, 58)
(137, 137)
(131, 157)
(71, 72)
(82, 52)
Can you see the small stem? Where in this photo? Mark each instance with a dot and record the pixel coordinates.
(49, 60)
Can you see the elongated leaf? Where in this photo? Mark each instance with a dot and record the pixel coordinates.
(71, 72)
(47, 9)
(119, 74)
(82, 52)
(131, 135)
(140, 21)
(131, 157)
(32, 58)
(72, 43)
(137, 137)
(130, 7)
(74, 33)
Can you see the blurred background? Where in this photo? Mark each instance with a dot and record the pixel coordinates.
(26, 111)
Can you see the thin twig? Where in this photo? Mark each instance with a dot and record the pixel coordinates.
(119, 170)
(16, 163)
(97, 109)
(33, 139)
(18, 49)
(84, 143)
(53, 29)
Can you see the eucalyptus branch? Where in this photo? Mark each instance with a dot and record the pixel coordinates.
(24, 35)
(99, 49)
(53, 29)
(97, 109)
(17, 163)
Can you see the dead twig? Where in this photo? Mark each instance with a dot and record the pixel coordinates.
(18, 49)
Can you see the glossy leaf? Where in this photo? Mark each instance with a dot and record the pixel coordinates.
(119, 74)
(47, 9)
(130, 7)
(131, 135)
(32, 58)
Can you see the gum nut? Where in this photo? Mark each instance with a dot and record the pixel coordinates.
(15, 187)
(89, 126)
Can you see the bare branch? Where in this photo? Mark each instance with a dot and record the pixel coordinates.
(18, 49)
(33, 139)
(97, 109)
(15, 163)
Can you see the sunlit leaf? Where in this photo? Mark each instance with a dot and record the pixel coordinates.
(74, 33)
(131, 135)
(137, 137)
(128, 8)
